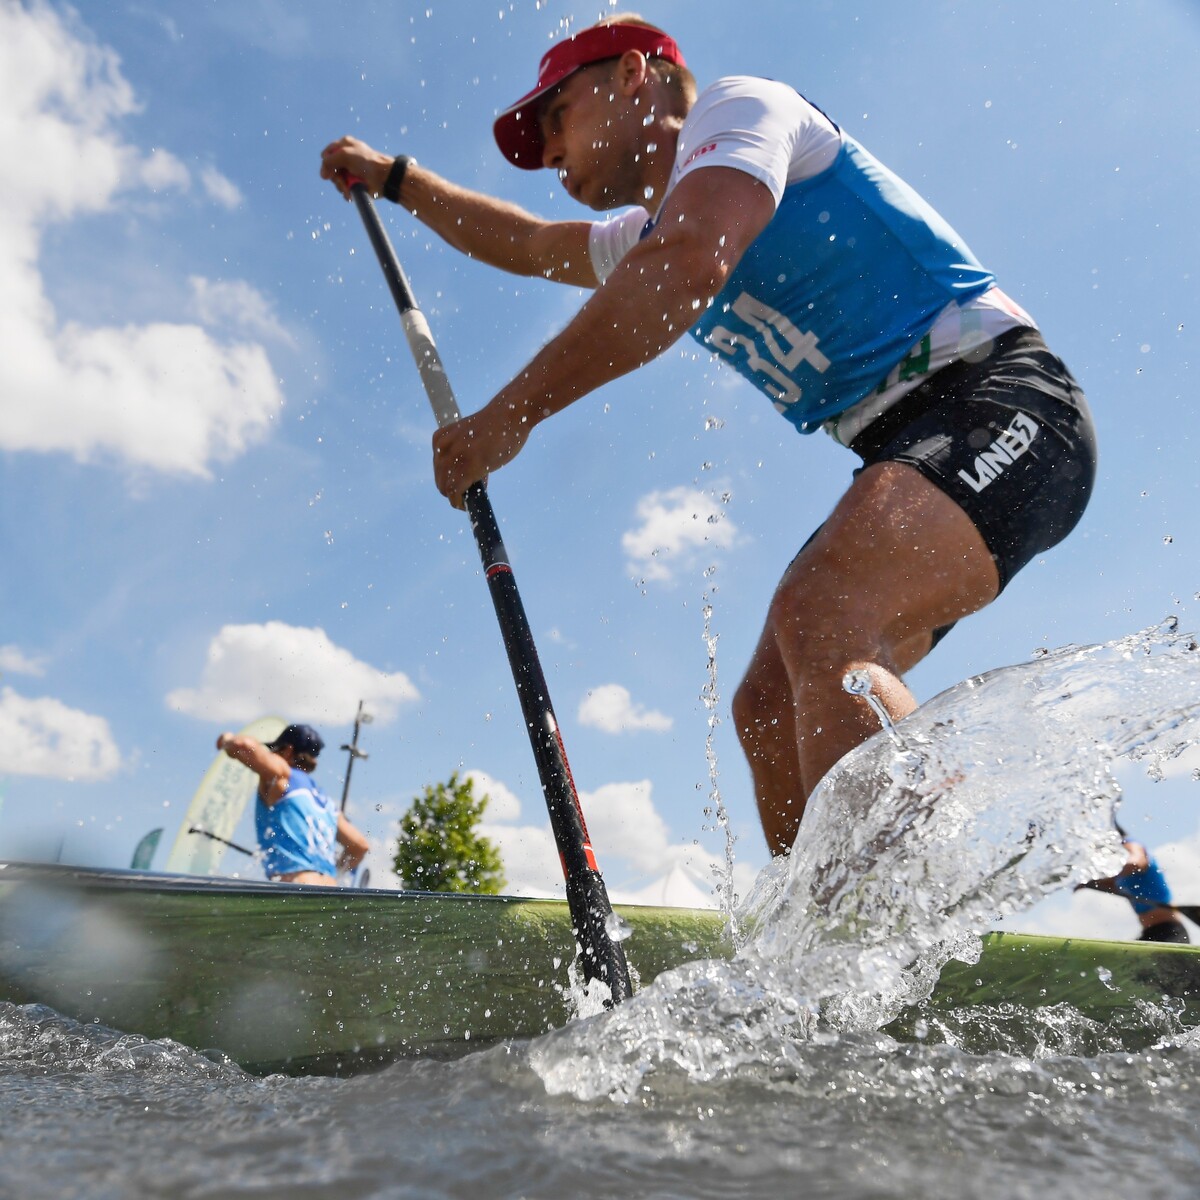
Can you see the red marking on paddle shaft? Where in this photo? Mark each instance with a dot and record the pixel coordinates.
(498, 569)
(587, 838)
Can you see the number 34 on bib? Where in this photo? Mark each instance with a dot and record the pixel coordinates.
(775, 347)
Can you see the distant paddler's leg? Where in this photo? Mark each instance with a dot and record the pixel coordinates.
(896, 560)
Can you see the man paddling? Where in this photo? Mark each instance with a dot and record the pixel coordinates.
(299, 827)
(751, 220)
(1142, 882)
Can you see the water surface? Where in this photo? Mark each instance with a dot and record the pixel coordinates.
(763, 1076)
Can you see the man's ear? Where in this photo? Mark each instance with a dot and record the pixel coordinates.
(632, 70)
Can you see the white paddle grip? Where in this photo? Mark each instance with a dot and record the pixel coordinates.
(429, 364)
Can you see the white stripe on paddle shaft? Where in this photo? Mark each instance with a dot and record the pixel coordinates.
(429, 364)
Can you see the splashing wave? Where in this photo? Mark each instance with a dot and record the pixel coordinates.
(992, 795)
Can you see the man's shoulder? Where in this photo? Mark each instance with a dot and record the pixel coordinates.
(738, 104)
(748, 87)
(760, 126)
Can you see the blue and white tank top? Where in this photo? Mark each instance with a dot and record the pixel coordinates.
(299, 831)
(854, 292)
(1146, 890)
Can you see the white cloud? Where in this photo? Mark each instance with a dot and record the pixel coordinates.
(219, 188)
(168, 397)
(15, 661)
(1082, 914)
(46, 738)
(503, 805)
(235, 304)
(1180, 862)
(623, 821)
(677, 529)
(161, 171)
(531, 865)
(291, 672)
(610, 708)
(637, 857)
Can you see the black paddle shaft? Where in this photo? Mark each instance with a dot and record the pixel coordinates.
(587, 898)
(224, 841)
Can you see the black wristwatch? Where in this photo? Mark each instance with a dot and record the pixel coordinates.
(395, 177)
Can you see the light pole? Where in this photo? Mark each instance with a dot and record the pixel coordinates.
(362, 718)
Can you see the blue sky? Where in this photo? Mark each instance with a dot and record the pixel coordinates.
(214, 449)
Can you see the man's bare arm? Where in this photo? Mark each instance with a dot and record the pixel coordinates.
(353, 842)
(271, 768)
(657, 293)
(500, 234)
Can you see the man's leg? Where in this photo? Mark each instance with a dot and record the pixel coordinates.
(896, 560)
(765, 719)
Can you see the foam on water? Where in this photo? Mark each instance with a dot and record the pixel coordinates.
(987, 798)
(38, 1039)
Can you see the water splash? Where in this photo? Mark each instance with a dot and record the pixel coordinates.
(999, 792)
(716, 804)
(33, 1035)
(858, 683)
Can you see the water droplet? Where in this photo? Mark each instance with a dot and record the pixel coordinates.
(857, 683)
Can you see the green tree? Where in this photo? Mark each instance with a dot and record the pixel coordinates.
(440, 849)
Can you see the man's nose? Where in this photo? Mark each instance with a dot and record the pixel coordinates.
(552, 154)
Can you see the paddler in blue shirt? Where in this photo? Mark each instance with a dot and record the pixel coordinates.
(300, 829)
(1142, 883)
(752, 221)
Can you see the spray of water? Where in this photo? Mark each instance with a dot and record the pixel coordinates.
(986, 799)
(716, 804)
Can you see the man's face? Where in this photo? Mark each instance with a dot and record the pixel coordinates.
(297, 758)
(590, 132)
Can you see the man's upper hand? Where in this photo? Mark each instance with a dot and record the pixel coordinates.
(350, 157)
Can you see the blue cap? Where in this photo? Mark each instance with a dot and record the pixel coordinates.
(302, 738)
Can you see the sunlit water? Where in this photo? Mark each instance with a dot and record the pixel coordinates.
(763, 1076)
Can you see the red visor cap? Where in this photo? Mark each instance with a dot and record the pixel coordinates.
(518, 133)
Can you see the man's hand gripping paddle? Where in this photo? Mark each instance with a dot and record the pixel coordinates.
(603, 957)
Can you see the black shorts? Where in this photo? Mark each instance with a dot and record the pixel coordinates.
(1009, 439)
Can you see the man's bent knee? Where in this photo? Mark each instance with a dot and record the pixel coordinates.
(752, 710)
